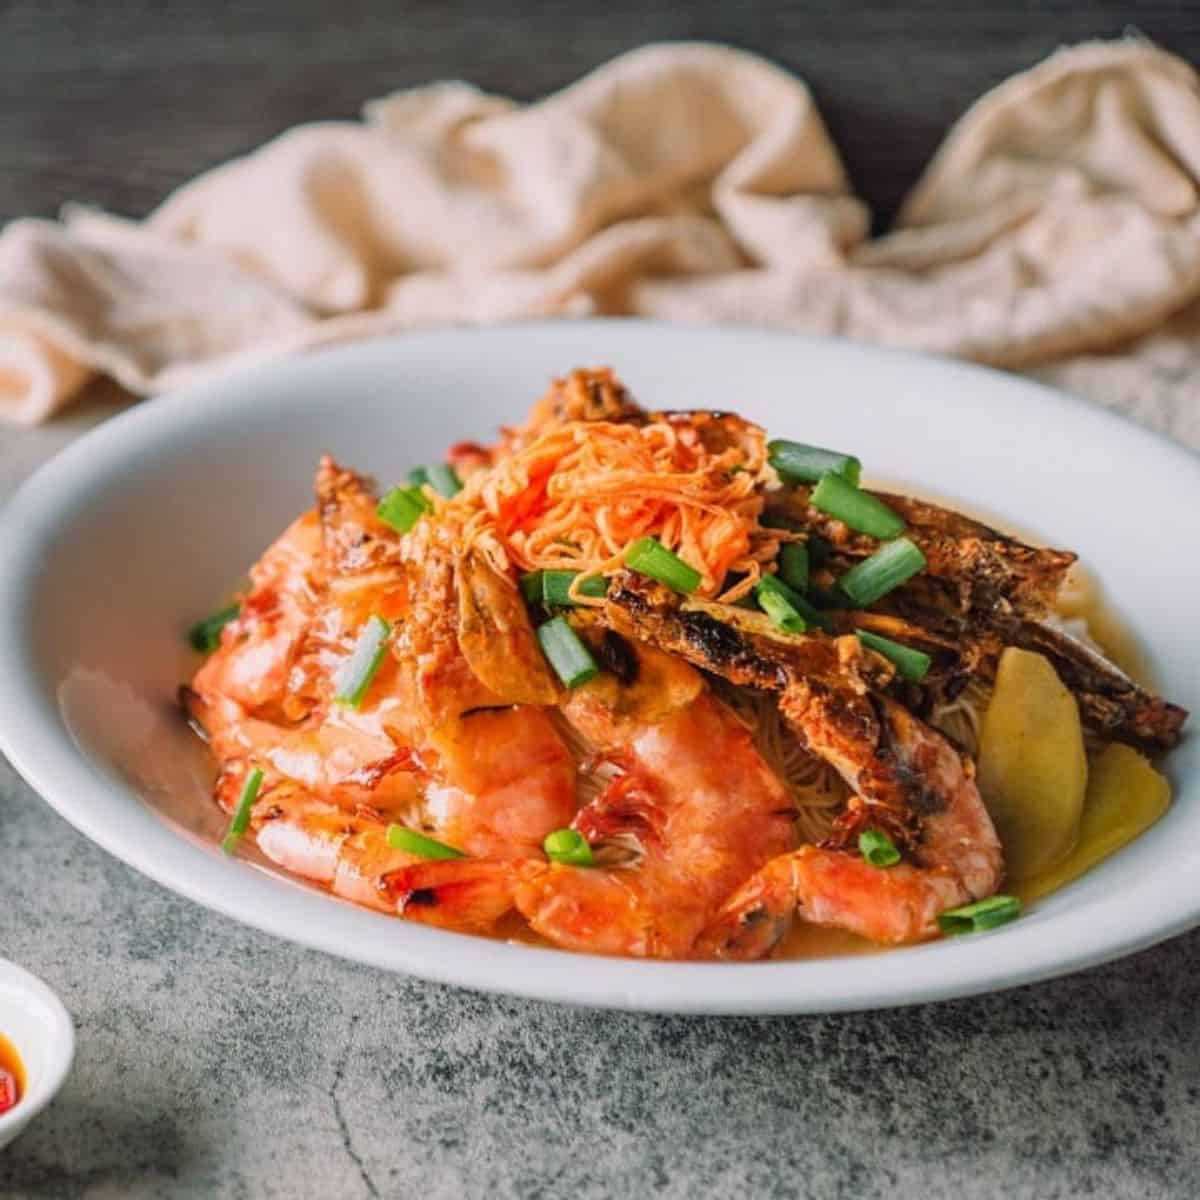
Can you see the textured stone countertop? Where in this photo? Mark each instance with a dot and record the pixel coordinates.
(214, 1061)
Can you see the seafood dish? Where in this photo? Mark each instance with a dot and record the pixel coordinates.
(649, 684)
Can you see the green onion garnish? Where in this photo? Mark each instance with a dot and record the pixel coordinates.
(887, 568)
(556, 587)
(205, 635)
(793, 565)
(911, 664)
(355, 674)
(241, 814)
(568, 846)
(775, 598)
(531, 586)
(648, 556)
(399, 837)
(877, 848)
(811, 615)
(570, 658)
(859, 510)
(418, 477)
(402, 508)
(798, 463)
(983, 914)
(443, 478)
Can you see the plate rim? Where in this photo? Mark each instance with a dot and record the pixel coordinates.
(41, 750)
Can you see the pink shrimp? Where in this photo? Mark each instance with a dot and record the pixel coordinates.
(694, 835)
(433, 746)
(955, 855)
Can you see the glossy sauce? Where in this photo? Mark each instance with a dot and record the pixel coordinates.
(12, 1076)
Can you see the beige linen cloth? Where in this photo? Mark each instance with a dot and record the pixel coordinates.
(1056, 231)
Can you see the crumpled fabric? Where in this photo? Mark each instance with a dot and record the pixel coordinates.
(1057, 231)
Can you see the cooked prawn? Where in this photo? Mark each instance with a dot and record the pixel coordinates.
(693, 836)
(910, 776)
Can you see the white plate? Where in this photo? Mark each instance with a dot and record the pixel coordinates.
(115, 546)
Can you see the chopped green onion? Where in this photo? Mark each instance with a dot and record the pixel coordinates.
(531, 586)
(402, 508)
(418, 477)
(443, 478)
(793, 565)
(399, 837)
(776, 601)
(568, 846)
(355, 674)
(556, 587)
(798, 463)
(877, 848)
(648, 556)
(552, 588)
(205, 635)
(803, 608)
(241, 814)
(983, 914)
(912, 664)
(887, 568)
(860, 510)
(570, 658)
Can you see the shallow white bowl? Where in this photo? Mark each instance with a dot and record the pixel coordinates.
(33, 1018)
(115, 547)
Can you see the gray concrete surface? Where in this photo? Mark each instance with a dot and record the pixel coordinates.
(216, 1062)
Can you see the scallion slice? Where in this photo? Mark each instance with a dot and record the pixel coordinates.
(418, 477)
(355, 674)
(798, 463)
(556, 587)
(889, 567)
(810, 615)
(443, 478)
(402, 508)
(400, 837)
(860, 510)
(531, 586)
(877, 848)
(983, 914)
(793, 565)
(911, 664)
(570, 658)
(775, 599)
(568, 846)
(241, 814)
(205, 636)
(648, 556)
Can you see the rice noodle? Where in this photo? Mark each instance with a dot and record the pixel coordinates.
(817, 789)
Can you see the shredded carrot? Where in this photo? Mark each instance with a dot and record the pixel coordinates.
(579, 494)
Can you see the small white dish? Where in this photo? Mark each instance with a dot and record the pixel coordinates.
(34, 1020)
(115, 547)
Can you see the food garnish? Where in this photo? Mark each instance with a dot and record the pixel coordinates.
(568, 846)
(241, 814)
(891, 565)
(571, 659)
(205, 635)
(399, 837)
(980, 916)
(858, 509)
